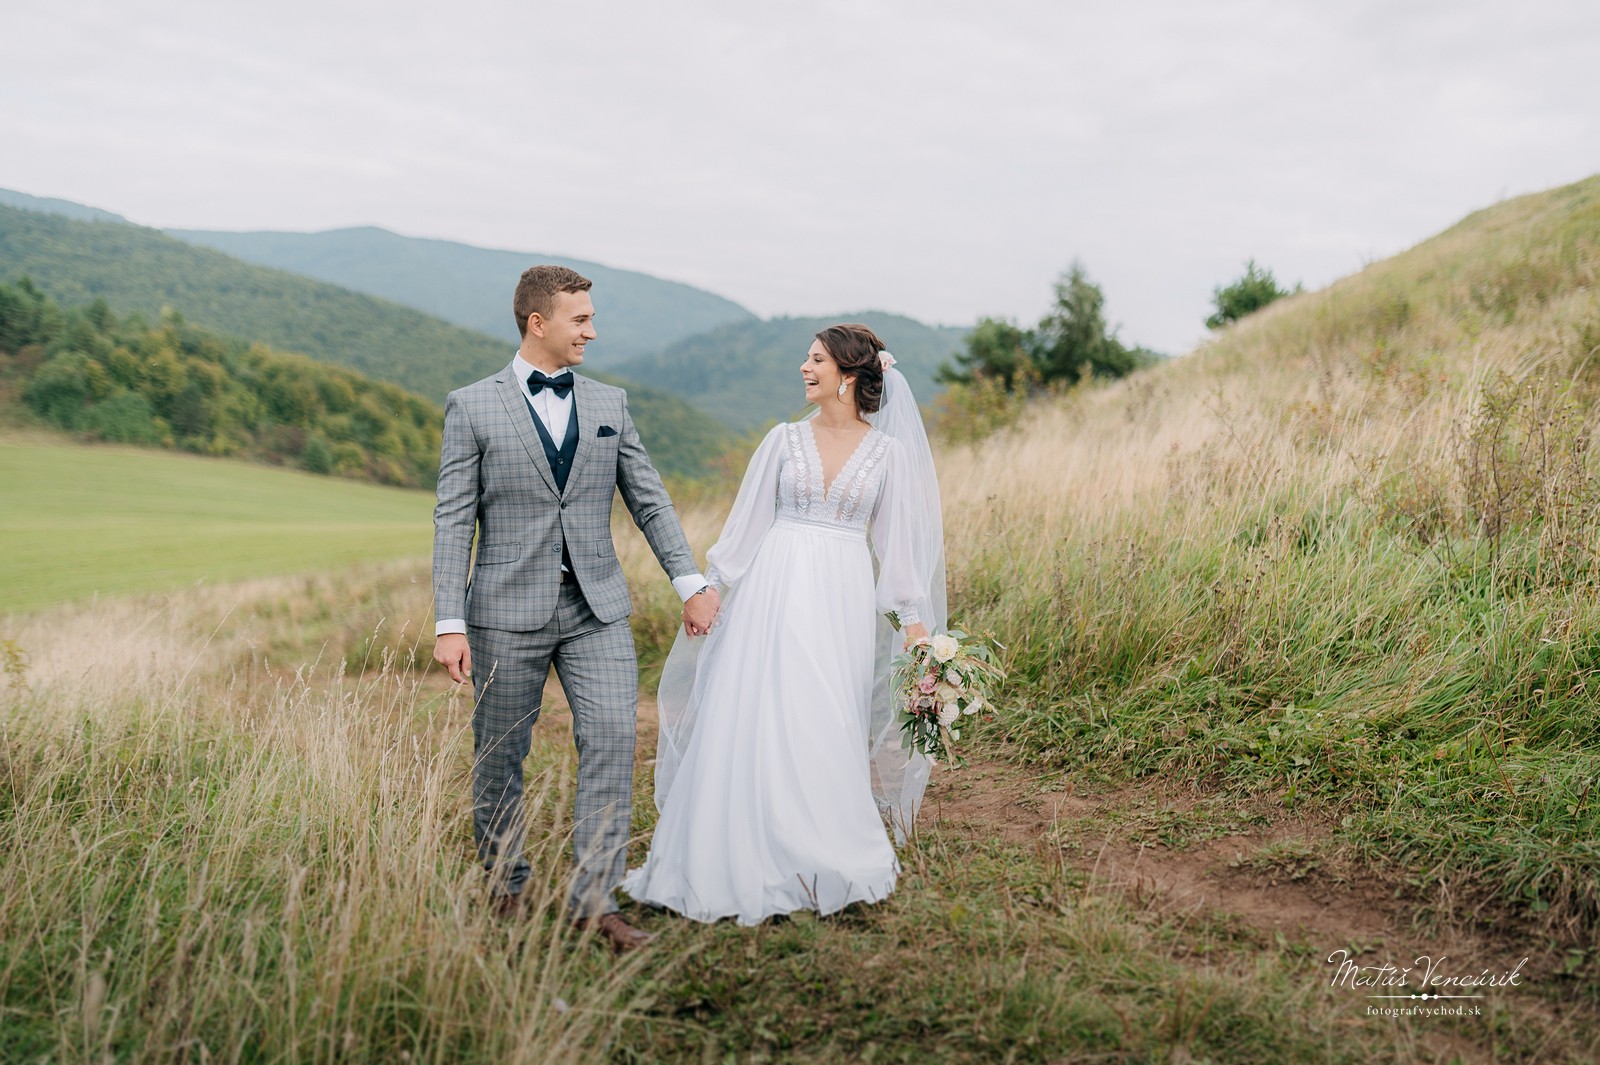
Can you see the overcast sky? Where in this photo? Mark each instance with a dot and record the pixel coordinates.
(939, 159)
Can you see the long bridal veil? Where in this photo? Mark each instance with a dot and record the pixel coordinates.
(899, 776)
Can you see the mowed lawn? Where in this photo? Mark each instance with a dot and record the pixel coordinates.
(78, 521)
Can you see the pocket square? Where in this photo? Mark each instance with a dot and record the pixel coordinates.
(605, 430)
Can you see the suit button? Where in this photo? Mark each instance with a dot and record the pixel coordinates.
(556, 550)
(563, 505)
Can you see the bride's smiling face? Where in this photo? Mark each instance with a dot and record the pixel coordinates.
(821, 374)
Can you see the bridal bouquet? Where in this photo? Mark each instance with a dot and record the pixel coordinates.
(939, 681)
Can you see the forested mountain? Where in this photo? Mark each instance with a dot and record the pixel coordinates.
(142, 271)
(470, 286)
(139, 270)
(172, 384)
(51, 205)
(748, 373)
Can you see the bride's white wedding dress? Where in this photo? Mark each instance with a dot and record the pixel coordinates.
(764, 780)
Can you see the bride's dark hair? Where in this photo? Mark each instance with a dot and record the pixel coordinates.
(855, 349)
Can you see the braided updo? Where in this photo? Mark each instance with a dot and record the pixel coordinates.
(855, 348)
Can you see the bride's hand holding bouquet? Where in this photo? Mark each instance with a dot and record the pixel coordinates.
(938, 681)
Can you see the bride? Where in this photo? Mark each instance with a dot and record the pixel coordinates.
(779, 757)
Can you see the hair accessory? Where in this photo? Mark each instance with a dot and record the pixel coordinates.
(885, 360)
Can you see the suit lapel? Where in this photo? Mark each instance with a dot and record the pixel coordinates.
(583, 410)
(522, 418)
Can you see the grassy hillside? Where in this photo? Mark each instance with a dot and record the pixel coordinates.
(1345, 558)
(102, 521)
(638, 314)
(748, 373)
(141, 270)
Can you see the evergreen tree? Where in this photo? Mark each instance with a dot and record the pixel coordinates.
(1248, 294)
(1076, 340)
(997, 350)
(1070, 343)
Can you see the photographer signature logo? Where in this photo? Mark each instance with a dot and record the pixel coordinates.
(1426, 979)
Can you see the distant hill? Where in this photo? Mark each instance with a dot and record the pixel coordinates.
(140, 270)
(50, 205)
(176, 385)
(136, 269)
(748, 373)
(470, 286)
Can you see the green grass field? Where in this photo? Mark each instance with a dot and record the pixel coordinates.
(80, 521)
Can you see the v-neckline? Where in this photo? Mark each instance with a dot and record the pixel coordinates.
(816, 453)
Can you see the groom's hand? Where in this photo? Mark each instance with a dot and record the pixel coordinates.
(451, 652)
(700, 610)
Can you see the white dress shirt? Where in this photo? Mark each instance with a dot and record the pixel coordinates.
(555, 411)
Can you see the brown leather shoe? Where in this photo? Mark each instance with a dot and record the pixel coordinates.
(507, 907)
(615, 929)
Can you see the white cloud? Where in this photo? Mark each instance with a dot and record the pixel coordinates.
(936, 159)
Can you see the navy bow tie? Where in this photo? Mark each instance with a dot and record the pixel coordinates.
(538, 382)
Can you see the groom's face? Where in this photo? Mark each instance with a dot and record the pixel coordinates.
(568, 328)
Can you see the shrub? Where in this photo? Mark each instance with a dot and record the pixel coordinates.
(1249, 294)
(124, 418)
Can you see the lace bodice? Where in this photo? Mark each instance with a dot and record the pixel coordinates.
(784, 483)
(849, 501)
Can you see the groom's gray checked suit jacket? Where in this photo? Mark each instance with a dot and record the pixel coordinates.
(493, 476)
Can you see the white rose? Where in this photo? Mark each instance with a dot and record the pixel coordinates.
(974, 706)
(945, 647)
(948, 713)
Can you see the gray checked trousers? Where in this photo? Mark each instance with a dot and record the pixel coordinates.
(600, 673)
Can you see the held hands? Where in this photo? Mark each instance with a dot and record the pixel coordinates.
(700, 611)
(451, 652)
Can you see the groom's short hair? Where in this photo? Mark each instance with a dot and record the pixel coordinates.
(537, 288)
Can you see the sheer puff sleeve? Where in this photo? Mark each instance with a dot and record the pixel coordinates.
(754, 510)
(903, 574)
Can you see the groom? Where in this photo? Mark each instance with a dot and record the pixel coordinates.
(530, 461)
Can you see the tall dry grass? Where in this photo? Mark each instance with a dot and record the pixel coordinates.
(220, 848)
(1348, 552)
(246, 852)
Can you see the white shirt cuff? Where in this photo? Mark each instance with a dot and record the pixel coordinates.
(685, 586)
(449, 625)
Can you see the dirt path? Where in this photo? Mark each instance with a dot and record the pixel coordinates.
(1269, 872)
(1287, 890)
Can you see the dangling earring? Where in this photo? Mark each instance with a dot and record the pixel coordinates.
(842, 387)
